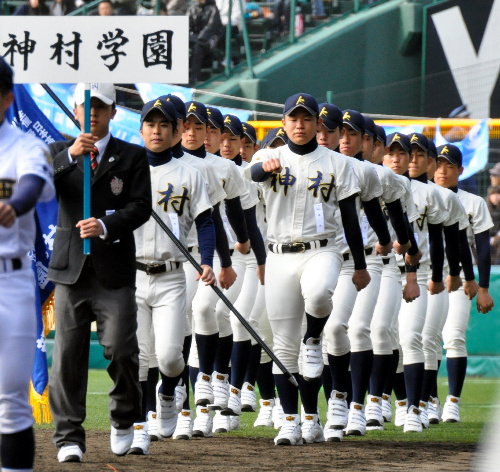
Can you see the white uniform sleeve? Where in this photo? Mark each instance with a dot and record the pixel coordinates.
(437, 212)
(481, 219)
(347, 183)
(200, 201)
(214, 187)
(392, 187)
(369, 182)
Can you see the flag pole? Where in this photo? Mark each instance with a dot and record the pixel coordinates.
(86, 169)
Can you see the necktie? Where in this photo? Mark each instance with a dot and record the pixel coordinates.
(93, 159)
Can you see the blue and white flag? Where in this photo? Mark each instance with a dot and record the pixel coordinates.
(474, 148)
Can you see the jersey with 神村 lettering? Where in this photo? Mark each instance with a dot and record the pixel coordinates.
(302, 199)
(179, 196)
(21, 154)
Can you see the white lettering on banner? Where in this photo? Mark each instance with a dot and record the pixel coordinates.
(475, 75)
(96, 49)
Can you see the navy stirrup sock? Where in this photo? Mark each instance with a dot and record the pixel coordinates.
(207, 349)
(265, 381)
(314, 326)
(326, 381)
(339, 368)
(381, 370)
(399, 386)
(153, 375)
(430, 379)
(309, 390)
(253, 365)
(17, 450)
(223, 355)
(457, 368)
(392, 373)
(414, 377)
(239, 362)
(361, 368)
(288, 393)
(193, 374)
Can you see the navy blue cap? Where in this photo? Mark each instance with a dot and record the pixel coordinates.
(6, 73)
(272, 135)
(301, 100)
(381, 136)
(354, 119)
(331, 115)
(370, 129)
(432, 149)
(215, 117)
(249, 131)
(451, 153)
(198, 110)
(160, 104)
(420, 140)
(400, 138)
(233, 123)
(178, 104)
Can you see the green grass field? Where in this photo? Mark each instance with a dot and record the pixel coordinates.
(479, 401)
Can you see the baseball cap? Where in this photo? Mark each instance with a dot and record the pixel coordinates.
(369, 126)
(354, 119)
(432, 149)
(167, 108)
(198, 110)
(400, 138)
(272, 135)
(215, 117)
(495, 170)
(104, 92)
(304, 100)
(331, 115)
(381, 136)
(451, 153)
(233, 123)
(178, 104)
(420, 140)
(249, 132)
(6, 73)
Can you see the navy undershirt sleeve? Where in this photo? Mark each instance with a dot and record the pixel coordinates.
(236, 218)
(206, 237)
(27, 192)
(375, 217)
(258, 173)
(221, 243)
(466, 256)
(452, 248)
(352, 231)
(411, 236)
(436, 251)
(483, 258)
(255, 236)
(398, 220)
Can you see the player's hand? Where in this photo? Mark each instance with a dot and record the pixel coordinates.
(261, 271)
(413, 260)
(484, 302)
(208, 275)
(412, 290)
(453, 283)
(383, 250)
(435, 287)
(361, 278)
(227, 276)
(401, 248)
(7, 215)
(90, 228)
(83, 144)
(272, 165)
(471, 287)
(244, 248)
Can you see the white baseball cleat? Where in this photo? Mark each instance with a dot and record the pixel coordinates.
(451, 410)
(413, 423)
(312, 359)
(140, 444)
(248, 398)
(387, 407)
(356, 423)
(180, 397)
(234, 403)
(338, 411)
(184, 428)
(121, 440)
(234, 423)
(278, 414)
(290, 433)
(373, 413)
(202, 426)
(220, 386)
(333, 435)
(434, 410)
(221, 423)
(265, 416)
(203, 390)
(424, 416)
(154, 434)
(70, 453)
(401, 410)
(166, 413)
(312, 432)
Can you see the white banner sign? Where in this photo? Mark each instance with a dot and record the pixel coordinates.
(112, 49)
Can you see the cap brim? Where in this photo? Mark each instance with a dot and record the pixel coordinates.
(421, 146)
(234, 132)
(250, 137)
(352, 125)
(168, 117)
(200, 118)
(215, 124)
(450, 160)
(402, 144)
(80, 98)
(329, 124)
(309, 110)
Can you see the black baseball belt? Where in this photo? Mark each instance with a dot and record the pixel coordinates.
(296, 247)
(157, 268)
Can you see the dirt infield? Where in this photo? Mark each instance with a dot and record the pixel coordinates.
(259, 454)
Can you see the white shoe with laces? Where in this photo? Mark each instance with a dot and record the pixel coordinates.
(265, 416)
(70, 453)
(140, 444)
(338, 411)
(387, 408)
(234, 403)
(451, 410)
(154, 434)
(413, 423)
(373, 413)
(356, 423)
(248, 398)
(202, 426)
(221, 423)
(434, 410)
(121, 440)
(290, 433)
(184, 428)
(220, 388)
(278, 414)
(312, 432)
(424, 416)
(401, 410)
(312, 359)
(166, 413)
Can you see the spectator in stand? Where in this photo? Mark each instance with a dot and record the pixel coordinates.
(105, 8)
(495, 175)
(318, 10)
(205, 31)
(177, 7)
(493, 202)
(33, 7)
(236, 19)
(62, 7)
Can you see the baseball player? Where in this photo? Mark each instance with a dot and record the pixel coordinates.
(25, 178)
(449, 168)
(276, 137)
(215, 126)
(329, 133)
(303, 187)
(181, 199)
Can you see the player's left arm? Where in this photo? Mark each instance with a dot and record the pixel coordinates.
(256, 241)
(206, 240)
(436, 252)
(375, 217)
(452, 249)
(484, 301)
